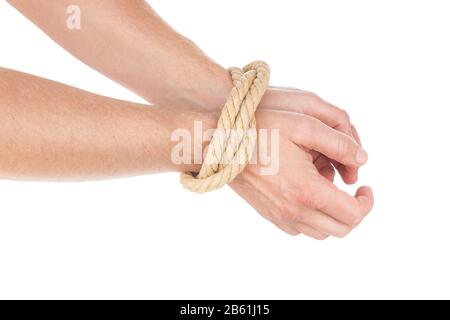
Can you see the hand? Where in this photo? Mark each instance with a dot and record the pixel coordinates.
(301, 197)
(299, 101)
(296, 100)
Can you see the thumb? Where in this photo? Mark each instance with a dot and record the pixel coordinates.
(314, 134)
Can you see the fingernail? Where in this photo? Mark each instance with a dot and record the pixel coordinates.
(361, 156)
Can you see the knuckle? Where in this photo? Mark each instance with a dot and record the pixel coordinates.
(290, 213)
(310, 194)
(354, 218)
(309, 199)
(313, 97)
(301, 215)
(285, 213)
(343, 147)
(302, 124)
(344, 116)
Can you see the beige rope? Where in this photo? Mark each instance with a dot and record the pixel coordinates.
(232, 144)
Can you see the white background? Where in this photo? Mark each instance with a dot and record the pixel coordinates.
(386, 62)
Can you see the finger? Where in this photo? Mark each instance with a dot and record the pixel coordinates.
(331, 115)
(328, 173)
(291, 230)
(356, 135)
(336, 118)
(340, 205)
(315, 155)
(295, 100)
(325, 167)
(348, 174)
(343, 122)
(310, 232)
(314, 134)
(365, 197)
(322, 223)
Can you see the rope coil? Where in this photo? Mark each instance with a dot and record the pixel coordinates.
(232, 145)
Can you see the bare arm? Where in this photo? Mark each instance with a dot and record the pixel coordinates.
(52, 131)
(128, 42)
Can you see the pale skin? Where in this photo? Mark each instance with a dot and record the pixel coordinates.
(92, 137)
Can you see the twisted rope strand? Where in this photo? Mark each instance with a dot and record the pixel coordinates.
(234, 140)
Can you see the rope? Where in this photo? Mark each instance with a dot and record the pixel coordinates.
(233, 142)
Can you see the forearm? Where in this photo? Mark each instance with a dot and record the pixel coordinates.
(128, 42)
(51, 131)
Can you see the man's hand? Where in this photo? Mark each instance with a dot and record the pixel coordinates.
(150, 58)
(296, 100)
(302, 198)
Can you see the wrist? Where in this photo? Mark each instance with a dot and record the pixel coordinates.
(188, 134)
(216, 92)
(207, 91)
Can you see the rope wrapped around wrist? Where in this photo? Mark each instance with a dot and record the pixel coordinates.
(232, 145)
